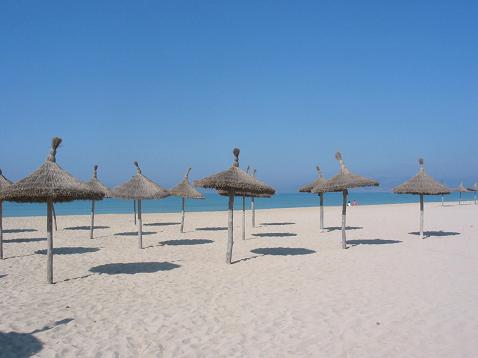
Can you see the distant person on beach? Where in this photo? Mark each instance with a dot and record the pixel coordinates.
(348, 203)
(354, 203)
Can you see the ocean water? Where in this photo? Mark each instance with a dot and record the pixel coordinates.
(214, 202)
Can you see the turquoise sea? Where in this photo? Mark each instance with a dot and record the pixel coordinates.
(214, 202)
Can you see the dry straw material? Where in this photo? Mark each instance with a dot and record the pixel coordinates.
(139, 188)
(308, 189)
(234, 181)
(421, 184)
(343, 181)
(186, 191)
(474, 188)
(4, 184)
(96, 185)
(50, 183)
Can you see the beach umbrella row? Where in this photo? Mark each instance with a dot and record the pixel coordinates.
(421, 184)
(342, 182)
(138, 188)
(186, 191)
(308, 189)
(234, 182)
(4, 184)
(50, 184)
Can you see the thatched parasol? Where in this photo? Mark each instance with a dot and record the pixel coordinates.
(4, 184)
(186, 191)
(343, 181)
(96, 185)
(308, 189)
(139, 188)
(421, 184)
(248, 195)
(461, 189)
(50, 183)
(234, 181)
(474, 189)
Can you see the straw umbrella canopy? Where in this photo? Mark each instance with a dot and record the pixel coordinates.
(421, 184)
(50, 184)
(96, 185)
(308, 189)
(186, 191)
(343, 181)
(234, 181)
(4, 184)
(248, 195)
(139, 188)
(461, 189)
(474, 188)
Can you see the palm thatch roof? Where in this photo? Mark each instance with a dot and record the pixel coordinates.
(97, 185)
(343, 180)
(50, 183)
(235, 181)
(319, 181)
(461, 189)
(422, 184)
(474, 187)
(139, 187)
(185, 189)
(4, 182)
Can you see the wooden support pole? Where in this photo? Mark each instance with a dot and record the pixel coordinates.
(49, 251)
(92, 224)
(459, 200)
(1, 230)
(243, 217)
(230, 229)
(140, 226)
(321, 195)
(54, 216)
(442, 200)
(134, 208)
(421, 216)
(253, 207)
(344, 215)
(183, 207)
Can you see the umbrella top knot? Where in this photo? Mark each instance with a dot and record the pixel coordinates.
(236, 153)
(187, 173)
(138, 169)
(343, 168)
(95, 170)
(421, 162)
(55, 143)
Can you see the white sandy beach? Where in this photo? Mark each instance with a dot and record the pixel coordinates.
(389, 295)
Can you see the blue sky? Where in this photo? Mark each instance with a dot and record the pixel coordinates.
(174, 84)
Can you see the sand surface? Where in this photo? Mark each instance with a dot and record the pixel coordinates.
(292, 291)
